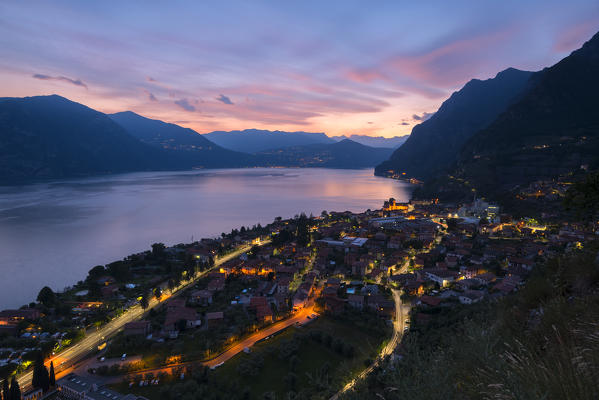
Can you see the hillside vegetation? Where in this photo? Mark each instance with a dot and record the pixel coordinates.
(541, 343)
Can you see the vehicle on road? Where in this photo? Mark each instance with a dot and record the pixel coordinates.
(216, 366)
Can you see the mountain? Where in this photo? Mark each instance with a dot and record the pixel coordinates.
(343, 154)
(52, 137)
(255, 140)
(435, 143)
(375, 141)
(552, 129)
(190, 147)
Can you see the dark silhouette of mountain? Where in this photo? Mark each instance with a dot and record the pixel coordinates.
(552, 129)
(50, 137)
(189, 147)
(435, 143)
(343, 154)
(256, 140)
(375, 141)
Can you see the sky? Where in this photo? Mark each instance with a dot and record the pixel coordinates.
(339, 67)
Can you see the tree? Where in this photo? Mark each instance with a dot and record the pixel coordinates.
(46, 297)
(291, 380)
(293, 361)
(158, 249)
(15, 390)
(96, 271)
(41, 379)
(181, 325)
(144, 303)
(52, 375)
(36, 380)
(583, 197)
(157, 293)
(5, 390)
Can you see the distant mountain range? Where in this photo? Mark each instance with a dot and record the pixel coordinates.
(375, 141)
(256, 140)
(47, 137)
(50, 136)
(190, 148)
(489, 136)
(518, 127)
(343, 154)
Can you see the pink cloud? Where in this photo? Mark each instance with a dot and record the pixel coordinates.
(366, 75)
(450, 64)
(76, 82)
(574, 36)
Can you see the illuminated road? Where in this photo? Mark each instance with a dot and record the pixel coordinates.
(301, 317)
(64, 361)
(398, 327)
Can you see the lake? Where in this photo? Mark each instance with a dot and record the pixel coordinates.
(52, 233)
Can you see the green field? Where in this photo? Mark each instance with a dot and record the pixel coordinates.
(293, 361)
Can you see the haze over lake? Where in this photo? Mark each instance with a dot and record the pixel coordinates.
(53, 233)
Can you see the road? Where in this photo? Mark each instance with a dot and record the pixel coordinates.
(300, 318)
(398, 327)
(64, 361)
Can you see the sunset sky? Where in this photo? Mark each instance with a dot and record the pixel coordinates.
(342, 67)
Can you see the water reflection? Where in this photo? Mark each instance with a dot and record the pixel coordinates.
(52, 233)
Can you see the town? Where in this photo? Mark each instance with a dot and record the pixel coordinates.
(337, 280)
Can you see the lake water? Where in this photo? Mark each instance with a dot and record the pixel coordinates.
(53, 233)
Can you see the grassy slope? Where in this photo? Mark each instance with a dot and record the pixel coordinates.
(227, 382)
(541, 343)
(311, 357)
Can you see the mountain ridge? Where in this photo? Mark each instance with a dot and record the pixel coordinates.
(553, 129)
(256, 140)
(192, 148)
(53, 137)
(434, 144)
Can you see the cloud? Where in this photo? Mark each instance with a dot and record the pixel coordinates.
(365, 75)
(185, 104)
(423, 117)
(150, 95)
(224, 99)
(370, 122)
(403, 123)
(448, 64)
(76, 82)
(150, 79)
(574, 36)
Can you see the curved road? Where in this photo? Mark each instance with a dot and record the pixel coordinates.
(66, 359)
(300, 318)
(398, 326)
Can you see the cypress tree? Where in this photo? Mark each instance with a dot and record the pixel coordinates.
(45, 378)
(5, 390)
(41, 378)
(37, 379)
(52, 376)
(15, 390)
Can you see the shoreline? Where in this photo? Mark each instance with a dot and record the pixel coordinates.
(66, 195)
